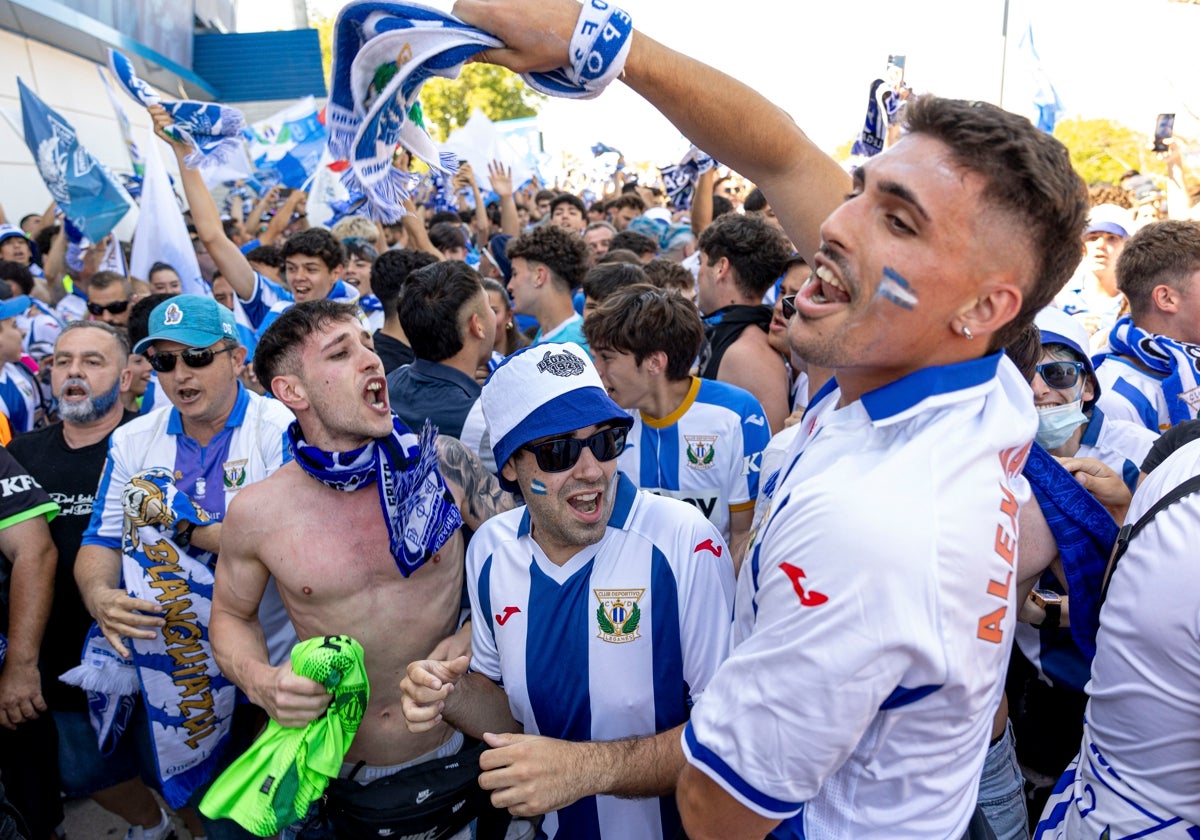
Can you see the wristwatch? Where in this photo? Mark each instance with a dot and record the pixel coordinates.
(1051, 603)
(183, 537)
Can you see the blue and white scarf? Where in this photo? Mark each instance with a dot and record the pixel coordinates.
(1177, 360)
(111, 683)
(679, 180)
(383, 52)
(213, 130)
(189, 702)
(883, 106)
(418, 509)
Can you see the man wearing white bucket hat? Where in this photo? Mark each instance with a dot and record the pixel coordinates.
(601, 613)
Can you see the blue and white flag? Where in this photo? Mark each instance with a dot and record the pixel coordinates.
(679, 180)
(1046, 106)
(162, 234)
(383, 52)
(135, 154)
(83, 189)
(289, 142)
(111, 683)
(213, 130)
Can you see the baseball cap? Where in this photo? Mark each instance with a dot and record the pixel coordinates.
(191, 320)
(543, 390)
(13, 307)
(8, 231)
(1057, 327)
(1109, 218)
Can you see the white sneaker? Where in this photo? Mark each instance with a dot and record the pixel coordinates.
(163, 831)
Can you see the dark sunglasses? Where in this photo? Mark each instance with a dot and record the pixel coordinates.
(1060, 376)
(116, 307)
(165, 362)
(560, 454)
(788, 305)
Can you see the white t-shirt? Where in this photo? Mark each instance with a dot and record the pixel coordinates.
(1139, 764)
(615, 643)
(706, 452)
(875, 610)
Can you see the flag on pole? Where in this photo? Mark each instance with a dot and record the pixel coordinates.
(161, 234)
(84, 190)
(135, 154)
(289, 142)
(1046, 106)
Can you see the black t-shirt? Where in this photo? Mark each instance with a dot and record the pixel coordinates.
(1169, 441)
(21, 498)
(392, 352)
(71, 477)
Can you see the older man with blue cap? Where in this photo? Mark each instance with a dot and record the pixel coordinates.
(601, 611)
(168, 479)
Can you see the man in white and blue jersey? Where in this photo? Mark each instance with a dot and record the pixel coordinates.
(216, 438)
(694, 439)
(600, 614)
(20, 394)
(876, 602)
(313, 258)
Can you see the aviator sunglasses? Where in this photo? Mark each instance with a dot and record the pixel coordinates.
(1061, 376)
(193, 358)
(116, 307)
(559, 454)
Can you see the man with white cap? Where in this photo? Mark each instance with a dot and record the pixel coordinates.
(601, 612)
(20, 395)
(1092, 295)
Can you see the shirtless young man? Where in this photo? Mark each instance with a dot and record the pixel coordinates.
(336, 574)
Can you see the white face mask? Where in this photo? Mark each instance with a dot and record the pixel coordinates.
(1056, 423)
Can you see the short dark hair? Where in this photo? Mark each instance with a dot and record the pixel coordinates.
(18, 273)
(45, 238)
(629, 199)
(442, 216)
(1161, 253)
(1025, 350)
(643, 319)
(357, 247)
(602, 280)
(631, 240)
(389, 272)
(667, 274)
(118, 335)
(160, 266)
(431, 307)
(544, 195)
(567, 198)
(447, 235)
(1029, 179)
(564, 253)
(315, 242)
(267, 255)
(619, 255)
(755, 201)
(27, 217)
(278, 350)
(138, 324)
(758, 251)
(104, 279)
(721, 206)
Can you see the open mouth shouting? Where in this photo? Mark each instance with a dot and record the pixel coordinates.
(586, 506)
(375, 394)
(823, 292)
(74, 390)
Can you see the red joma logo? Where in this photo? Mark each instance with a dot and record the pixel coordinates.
(509, 612)
(807, 599)
(707, 545)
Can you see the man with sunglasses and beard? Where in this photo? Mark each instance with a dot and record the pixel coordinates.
(600, 613)
(215, 439)
(109, 298)
(88, 377)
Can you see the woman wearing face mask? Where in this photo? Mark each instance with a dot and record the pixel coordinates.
(1065, 390)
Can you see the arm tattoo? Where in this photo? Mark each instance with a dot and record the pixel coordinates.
(481, 497)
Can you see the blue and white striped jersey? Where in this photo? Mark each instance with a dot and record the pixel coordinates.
(19, 398)
(615, 643)
(1129, 393)
(706, 452)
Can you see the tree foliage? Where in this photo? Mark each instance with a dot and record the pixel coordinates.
(498, 93)
(1104, 150)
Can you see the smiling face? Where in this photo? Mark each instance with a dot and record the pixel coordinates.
(341, 382)
(793, 280)
(357, 272)
(165, 281)
(570, 509)
(1046, 397)
(910, 255)
(309, 277)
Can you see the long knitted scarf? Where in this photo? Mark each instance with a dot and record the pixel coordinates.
(1179, 361)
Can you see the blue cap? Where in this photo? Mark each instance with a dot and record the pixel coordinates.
(13, 307)
(190, 320)
(1057, 327)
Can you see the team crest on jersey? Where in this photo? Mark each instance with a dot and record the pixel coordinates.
(618, 614)
(701, 450)
(561, 364)
(235, 474)
(173, 316)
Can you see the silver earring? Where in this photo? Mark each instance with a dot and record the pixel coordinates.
(966, 331)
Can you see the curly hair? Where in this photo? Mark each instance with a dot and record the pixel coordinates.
(758, 251)
(564, 253)
(315, 242)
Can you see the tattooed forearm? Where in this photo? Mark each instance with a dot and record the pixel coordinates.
(477, 490)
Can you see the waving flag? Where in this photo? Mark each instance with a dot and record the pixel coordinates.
(1046, 107)
(84, 190)
(289, 142)
(162, 233)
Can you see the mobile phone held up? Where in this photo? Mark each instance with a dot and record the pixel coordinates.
(1164, 128)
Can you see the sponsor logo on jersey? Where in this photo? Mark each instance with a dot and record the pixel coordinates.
(619, 615)
(756, 420)
(752, 463)
(701, 451)
(17, 484)
(809, 598)
(509, 612)
(707, 545)
(1013, 460)
(704, 501)
(561, 364)
(235, 473)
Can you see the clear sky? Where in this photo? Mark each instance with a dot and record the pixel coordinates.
(1122, 59)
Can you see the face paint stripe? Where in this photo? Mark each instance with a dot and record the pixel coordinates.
(896, 289)
(537, 487)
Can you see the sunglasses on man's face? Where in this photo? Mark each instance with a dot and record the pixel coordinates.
(193, 358)
(116, 307)
(560, 454)
(788, 306)
(1061, 376)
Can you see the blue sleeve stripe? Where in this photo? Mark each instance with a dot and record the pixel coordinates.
(762, 803)
(1145, 409)
(1130, 472)
(484, 585)
(902, 696)
(91, 535)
